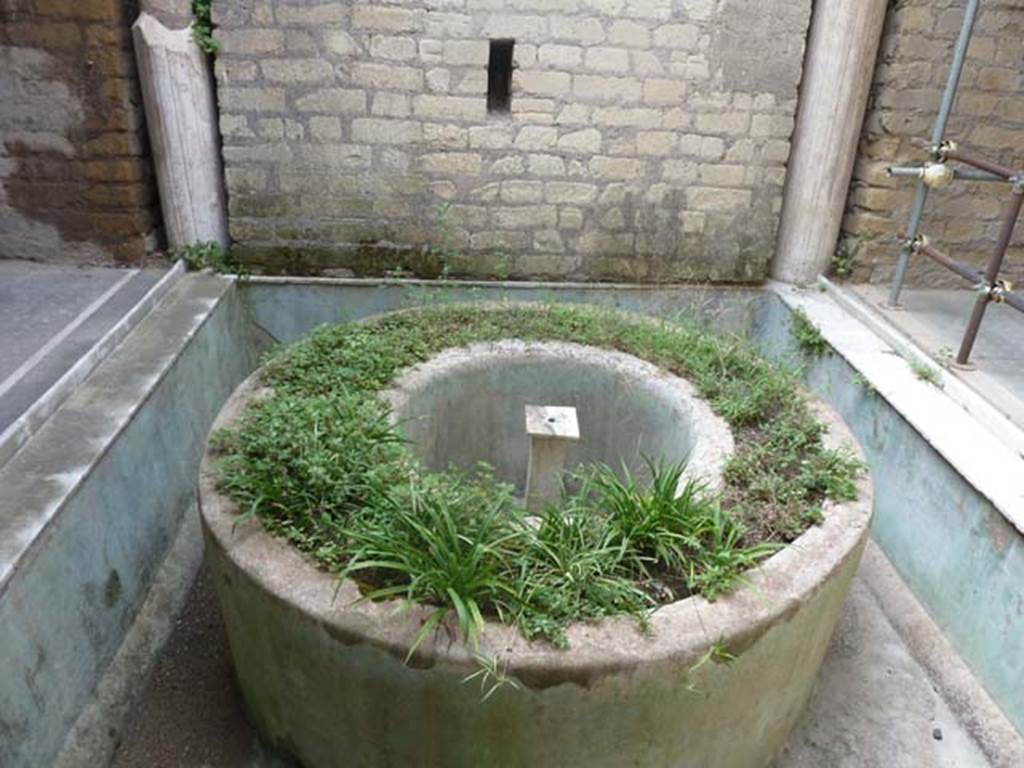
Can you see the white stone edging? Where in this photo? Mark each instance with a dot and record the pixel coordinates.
(989, 465)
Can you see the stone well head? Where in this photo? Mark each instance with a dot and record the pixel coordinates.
(324, 672)
(466, 406)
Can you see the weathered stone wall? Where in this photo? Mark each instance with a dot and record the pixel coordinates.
(75, 181)
(988, 119)
(647, 138)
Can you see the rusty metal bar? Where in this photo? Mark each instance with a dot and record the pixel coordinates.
(1001, 293)
(965, 271)
(981, 163)
(992, 272)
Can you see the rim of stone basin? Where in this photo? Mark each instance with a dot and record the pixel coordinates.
(681, 631)
(714, 437)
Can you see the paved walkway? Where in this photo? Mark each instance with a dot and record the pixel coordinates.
(50, 315)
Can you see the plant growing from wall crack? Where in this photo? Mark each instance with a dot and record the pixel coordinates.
(807, 335)
(211, 255)
(844, 259)
(202, 26)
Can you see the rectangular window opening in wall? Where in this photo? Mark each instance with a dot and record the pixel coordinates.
(499, 76)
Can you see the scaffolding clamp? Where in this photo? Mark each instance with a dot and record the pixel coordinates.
(931, 174)
(915, 244)
(941, 150)
(998, 290)
(937, 175)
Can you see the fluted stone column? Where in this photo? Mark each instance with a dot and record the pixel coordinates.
(173, 14)
(181, 114)
(838, 69)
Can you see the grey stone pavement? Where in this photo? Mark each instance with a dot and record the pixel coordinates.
(936, 320)
(874, 706)
(38, 302)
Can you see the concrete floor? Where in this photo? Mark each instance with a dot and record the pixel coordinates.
(936, 320)
(874, 707)
(44, 304)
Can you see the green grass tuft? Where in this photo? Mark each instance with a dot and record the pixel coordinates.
(807, 335)
(929, 374)
(209, 254)
(202, 26)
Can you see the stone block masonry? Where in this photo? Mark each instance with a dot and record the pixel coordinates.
(988, 119)
(647, 139)
(75, 177)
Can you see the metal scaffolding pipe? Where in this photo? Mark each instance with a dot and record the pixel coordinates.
(965, 271)
(1014, 300)
(960, 174)
(992, 272)
(982, 164)
(938, 131)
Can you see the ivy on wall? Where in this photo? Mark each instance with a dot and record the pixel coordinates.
(202, 26)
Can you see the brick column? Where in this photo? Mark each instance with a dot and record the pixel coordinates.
(75, 178)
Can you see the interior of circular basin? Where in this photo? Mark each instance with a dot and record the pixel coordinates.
(467, 406)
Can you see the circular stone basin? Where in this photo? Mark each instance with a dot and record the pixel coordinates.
(466, 405)
(710, 684)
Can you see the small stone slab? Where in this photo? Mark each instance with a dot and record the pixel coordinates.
(552, 421)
